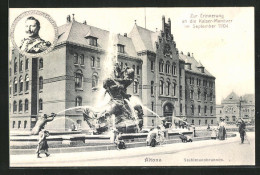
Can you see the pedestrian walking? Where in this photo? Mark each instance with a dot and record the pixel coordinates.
(42, 144)
(241, 129)
(222, 130)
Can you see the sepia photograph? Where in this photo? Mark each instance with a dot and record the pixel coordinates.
(142, 86)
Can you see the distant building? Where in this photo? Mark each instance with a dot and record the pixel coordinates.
(167, 82)
(234, 107)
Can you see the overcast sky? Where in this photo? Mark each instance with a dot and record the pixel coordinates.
(227, 53)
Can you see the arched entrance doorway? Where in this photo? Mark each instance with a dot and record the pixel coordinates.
(167, 109)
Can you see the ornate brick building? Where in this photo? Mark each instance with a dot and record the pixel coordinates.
(166, 81)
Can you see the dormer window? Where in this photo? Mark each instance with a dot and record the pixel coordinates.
(121, 48)
(92, 41)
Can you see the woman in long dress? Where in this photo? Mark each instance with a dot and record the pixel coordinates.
(222, 130)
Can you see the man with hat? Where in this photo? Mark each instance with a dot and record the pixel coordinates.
(222, 129)
(241, 129)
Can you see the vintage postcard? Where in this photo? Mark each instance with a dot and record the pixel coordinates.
(131, 87)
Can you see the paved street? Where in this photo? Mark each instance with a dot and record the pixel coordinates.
(208, 152)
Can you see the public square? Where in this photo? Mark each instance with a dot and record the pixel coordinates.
(199, 153)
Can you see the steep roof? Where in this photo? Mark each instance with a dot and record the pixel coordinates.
(143, 39)
(78, 32)
(249, 98)
(231, 98)
(194, 65)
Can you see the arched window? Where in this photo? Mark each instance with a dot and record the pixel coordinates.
(206, 122)
(199, 109)
(211, 109)
(152, 105)
(10, 89)
(24, 124)
(26, 82)
(20, 105)
(76, 61)
(152, 87)
(19, 124)
(211, 96)
(92, 61)
(15, 85)
(192, 109)
(135, 86)
(168, 84)
(161, 65)
(94, 81)
(14, 106)
(205, 109)
(40, 105)
(137, 70)
(15, 65)
(26, 105)
(174, 69)
(152, 66)
(98, 62)
(205, 96)
(167, 67)
(21, 65)
(191, 94)
(21, 84)
(27, 64)
(13, 124)
(161, 87)
(78, 101)
(174, 89)
(40, 83)
(82, 59)
(180, 91)
(180, 107)
(40, 63)
(78, 79)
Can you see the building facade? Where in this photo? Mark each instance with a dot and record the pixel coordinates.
(72, 75)
(234, 107)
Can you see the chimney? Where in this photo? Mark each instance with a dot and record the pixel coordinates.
(68, 19)
(163, 22)
(125, 34)
(192, 54)
(188, 54)
(85, 22)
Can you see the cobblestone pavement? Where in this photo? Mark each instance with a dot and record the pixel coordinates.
(207, 152)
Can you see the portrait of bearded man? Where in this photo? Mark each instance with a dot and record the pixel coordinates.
(33, 43)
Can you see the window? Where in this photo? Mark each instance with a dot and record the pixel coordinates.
(78, 101)
(10, 72)
(174, 89)
(161, 66)
(190, 80)
(199, 122)
(199, 109)
(19, 124)
(98, 62)
(121, 48)
(21, 84)
(205, 96)
(152, 66)
(168, 88)
(152, 87)
(206, 122)
(174, 69)
(181, 108)
(27, 64)
(13, 124)
(192, 109)
(21, 66)
(180, 71)
(10, 89)
(234, 118)
(78, 79)
(26, 82)
(40, 63)
(94, 81)
(76, 61)
(211, 109)
(152, 122)
(152, 105)
(15, 85)
(167, 67)
(192, 121)
(92, 61)
(212, 122)
(180, 91)
(14, 106)
(135, 86)
(199, 94)
(40, 83)
(161, 87)
(81, 59)
(137, 70)
(93, 41)
(205, 110)
(211, 97)
(24, 124)
(191, 94)
(40, 105)
(15, 65)
(26, 105)
(20, 106)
